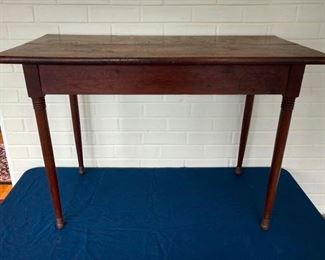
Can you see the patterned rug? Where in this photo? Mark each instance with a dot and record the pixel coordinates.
(4, 170)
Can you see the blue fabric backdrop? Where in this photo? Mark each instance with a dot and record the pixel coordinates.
(163, 213)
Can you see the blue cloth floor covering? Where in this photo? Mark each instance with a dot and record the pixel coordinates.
(159, 213)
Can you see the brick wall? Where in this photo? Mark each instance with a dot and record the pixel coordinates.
(145, 131)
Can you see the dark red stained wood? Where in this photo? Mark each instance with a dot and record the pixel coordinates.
(244, 131)
(288, 101)
(279, 147)
(47, 150)
(295, 76)
(164, 79)
(76, 130)
(32, 80)
(101, 49)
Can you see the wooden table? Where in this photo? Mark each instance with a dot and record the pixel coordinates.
(245, 65)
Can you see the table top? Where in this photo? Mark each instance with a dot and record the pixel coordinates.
(105, 49)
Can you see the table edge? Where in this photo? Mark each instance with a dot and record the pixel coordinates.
(161, 61)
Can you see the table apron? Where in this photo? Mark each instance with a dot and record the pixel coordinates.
(164, 79)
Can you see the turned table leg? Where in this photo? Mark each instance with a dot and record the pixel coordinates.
(244, 131)
(47, 150)
(76, 130)
(280, 142)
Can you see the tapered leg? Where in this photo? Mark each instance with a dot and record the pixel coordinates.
(76, 130)
(280, 142)
(244, 131)
(47, 150)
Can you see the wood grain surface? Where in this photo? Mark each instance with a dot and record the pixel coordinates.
(163, 79)
(100, 49)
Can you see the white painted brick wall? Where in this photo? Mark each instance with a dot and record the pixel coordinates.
(160, 131)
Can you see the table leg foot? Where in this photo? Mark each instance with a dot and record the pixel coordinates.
(81, 170)
(238, 171)
(265, 224)
(59, 223)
